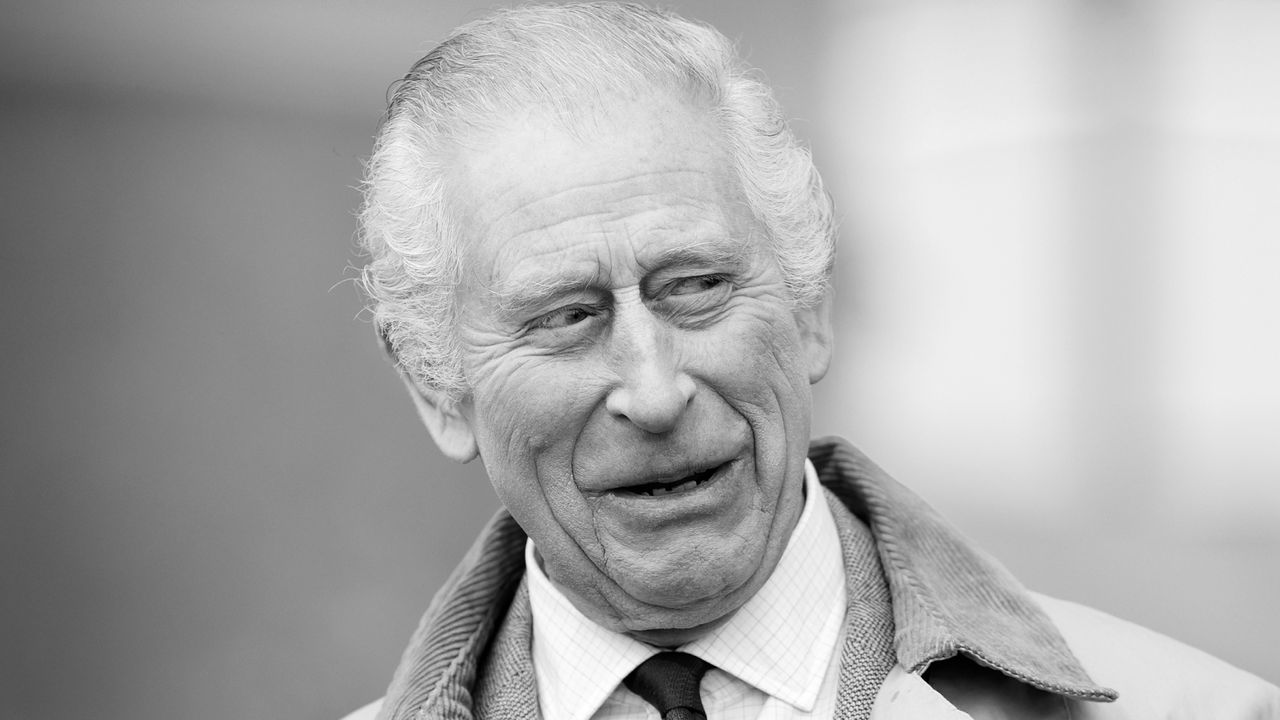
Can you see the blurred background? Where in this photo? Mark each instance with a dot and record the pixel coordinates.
(1058, 291)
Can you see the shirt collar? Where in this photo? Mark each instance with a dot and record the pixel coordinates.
(781, 641)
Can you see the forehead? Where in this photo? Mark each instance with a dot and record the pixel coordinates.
(647, 181)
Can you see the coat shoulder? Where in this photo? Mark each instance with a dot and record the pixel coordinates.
(1157, 676)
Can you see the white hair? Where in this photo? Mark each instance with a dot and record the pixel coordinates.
(558, 57)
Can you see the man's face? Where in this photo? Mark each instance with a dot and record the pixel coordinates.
(639, 380)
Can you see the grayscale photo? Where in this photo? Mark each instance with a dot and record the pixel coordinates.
(600, 360)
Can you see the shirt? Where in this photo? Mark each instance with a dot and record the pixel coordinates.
(775, 658)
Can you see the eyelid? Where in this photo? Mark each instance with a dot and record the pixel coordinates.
(541, 321)
(666, 289)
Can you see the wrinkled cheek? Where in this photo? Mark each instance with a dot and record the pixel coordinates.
(517, 416)
(527, 428)
(771, 375)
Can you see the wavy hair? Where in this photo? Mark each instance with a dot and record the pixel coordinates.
(559, 57)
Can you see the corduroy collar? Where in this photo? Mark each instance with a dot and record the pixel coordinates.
(948, 598)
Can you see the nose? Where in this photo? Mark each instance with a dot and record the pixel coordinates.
(652, 391)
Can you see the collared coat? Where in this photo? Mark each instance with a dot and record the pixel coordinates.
(968, 641)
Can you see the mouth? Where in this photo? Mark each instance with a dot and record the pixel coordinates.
(682, 484)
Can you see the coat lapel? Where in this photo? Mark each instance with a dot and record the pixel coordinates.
(438, 669)
(949, 597)
(867, 655)
(507, 688)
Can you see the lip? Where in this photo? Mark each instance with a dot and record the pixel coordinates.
(649, 514)
(665, 474)
(674, 484)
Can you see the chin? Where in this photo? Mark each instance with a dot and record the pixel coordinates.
(669, 614)
(675, 637)
(698, 586)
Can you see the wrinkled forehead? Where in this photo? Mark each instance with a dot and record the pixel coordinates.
(524, 191)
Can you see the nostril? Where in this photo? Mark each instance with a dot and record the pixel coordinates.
(654, 407)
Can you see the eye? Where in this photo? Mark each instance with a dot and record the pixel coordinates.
(695, 284)
(564, 317)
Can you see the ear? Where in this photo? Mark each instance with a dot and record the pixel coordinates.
(444, 419)
(816, 337)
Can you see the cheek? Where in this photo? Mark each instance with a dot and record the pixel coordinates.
(758, 362)
(529, 407)
(528, 423)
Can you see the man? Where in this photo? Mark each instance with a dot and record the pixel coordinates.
(600, 261)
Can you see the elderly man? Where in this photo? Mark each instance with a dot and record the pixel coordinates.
(600, 261)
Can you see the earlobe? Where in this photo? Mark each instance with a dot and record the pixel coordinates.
(449, 428)
(816, 336)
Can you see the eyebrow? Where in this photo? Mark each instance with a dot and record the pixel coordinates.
(719, 251)
(516, 296)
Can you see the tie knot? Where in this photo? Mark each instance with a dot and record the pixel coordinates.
(670, 681)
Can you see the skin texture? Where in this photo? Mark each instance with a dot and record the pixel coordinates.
(624, 322)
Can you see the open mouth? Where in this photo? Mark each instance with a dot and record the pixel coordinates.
(677, 485)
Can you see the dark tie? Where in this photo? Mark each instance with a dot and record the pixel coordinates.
(671, 682)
